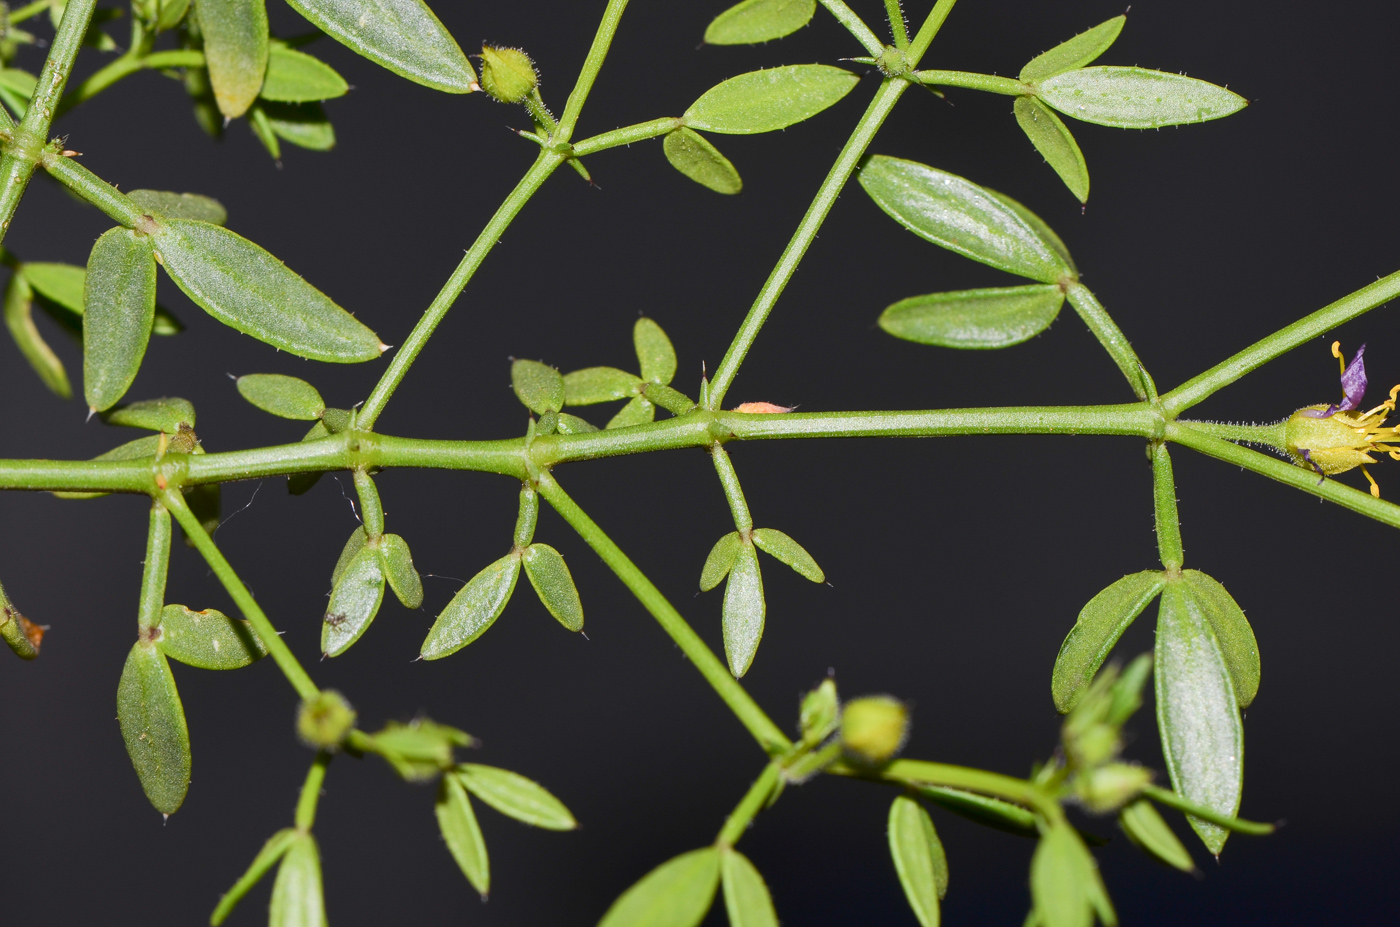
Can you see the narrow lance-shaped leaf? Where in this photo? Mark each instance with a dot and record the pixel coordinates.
(402, 35)
(549, 574)
(637, 412)
(962, 217)
(743, 610)
(461, 833)
(297, 896)
(153, 726)
(355, 601)
(1101, 623)
(918, 858)
(768, 100)
(1074, 53)
(746, 897)
(246, 288)
(996, 317)
(1232, 633)
(166, 414)
(1145, 828)
(267, 857)
(691, 153)
(1056, 145)
(208, 639)
(1202, 737)
(1136, 98)
(235, 51)
(473, 609)
(296, 77)
(180, 205)
(516, 796)
(283, 396)
(720, 561)
(119, 306)
(654, 352)
(759, 21)
(538, 386)
(991, 812)
(19, 319)
(675, 894)
(399, 570)
(302, 124)
(783, 548)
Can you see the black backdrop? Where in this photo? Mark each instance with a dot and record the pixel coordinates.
(957, 565)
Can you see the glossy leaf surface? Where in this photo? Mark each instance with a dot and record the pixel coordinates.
(593, 385)
(759, 21)
(297, 896)
(166, 414)
(19, 319)
(720, 561)
(1056, 144)
(918, 858)
(783, 548)
(691, 153)
(516, 796)
(235, 51)
(1074, 53)
(296, 77)
(1232, 633)
(180, 205)
(119, 306)
(246, 288)
(654, 352)
(771, 99)
(153, 726)
(283, 396)
(1145, 828)
(549, 574)
(1136, 98)
(208, 639)
(746, 897)
(355, 601)
(675, 894)
(399, 570)
(473, 609)
(996, 317)
(462, 833)
(743, 610)
(962, 217)
(402, 35)
(1100, 624)
(267, 857)
(538, 386)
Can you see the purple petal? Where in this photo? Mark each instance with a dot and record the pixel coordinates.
(1354, 381)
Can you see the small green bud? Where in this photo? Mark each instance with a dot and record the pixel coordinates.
(820, 712)
(325, 720)
(1091, 745)
(507, 74)
(892, 62)
(1109, 787)
(873, 729)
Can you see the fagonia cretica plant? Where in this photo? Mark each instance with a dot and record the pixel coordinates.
(1205, 668)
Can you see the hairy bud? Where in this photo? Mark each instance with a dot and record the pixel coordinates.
(507, 74)
(325, 720)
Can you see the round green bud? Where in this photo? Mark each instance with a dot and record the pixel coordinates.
(892, 62)
(325, 720)
(507, 74)
(873, 728)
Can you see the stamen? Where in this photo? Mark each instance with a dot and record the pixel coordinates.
(1375, 488)
(1337, 353)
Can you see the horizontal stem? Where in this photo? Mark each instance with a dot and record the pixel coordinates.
(1173, 800)
(627, 135)
(1267, 435)
(988, 82)
(125, 66)
(923, 772)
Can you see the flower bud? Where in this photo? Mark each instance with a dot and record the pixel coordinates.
(873, 729)
(507, 74)
(325, 720)
(1333, 444)
(819, 713)
(1109, 787)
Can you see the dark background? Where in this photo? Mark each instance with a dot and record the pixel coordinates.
(956, 565)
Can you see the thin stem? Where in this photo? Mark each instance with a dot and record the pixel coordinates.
(1164, 498)
(371, 510)
(597, 53)
(92, 188)
(807, 229)
(895, 13)
(749, 806)
(929, 30)
(627, 135)
(125, 66)
(1263, 435)
(311, 792)
(1173, 800)
(855, 26)
(988, 82)
(281, 653)
(1285, 339)
(733, 492)
(1109, 335)
(539, 172)
(768, 735)
(156, 568)
(923, 772)
(29, 10)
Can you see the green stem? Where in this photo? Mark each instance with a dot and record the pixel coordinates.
(768, 735)
(1164, 498)
(807, 229)
(311, 792)
(923, 772)
(1173, 800)
(1264, 435)
(156, 568)
(1281, 341)
(1109, 335)
(541, 115)
(627, 135)
(988, 82)
(733, 492)
(92, 188)
(281, 654)
(855, 26)
(528, 517)
(29, 10)
(597, 53)
(929, 30)
(407, 353)
(125, 66)
(898, 29)
(749, 806)
(371, 510)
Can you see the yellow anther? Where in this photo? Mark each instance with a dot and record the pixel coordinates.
(1375, 489)
(1337, 353)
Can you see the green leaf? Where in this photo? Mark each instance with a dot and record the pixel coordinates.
(352, 547)
(675, 894)
(538, 386)
(462, 834)
(354, 602)
(768, 100)
(473, 609)
(654, 352)
(246, 288)
(262, 130)
(720, 561)
(1039, 226)
(1056, 145)
(778, 545)
(62, 283)
(637, 412)
(171, 12)
(746, 898)
(283, 396)
(1202, 737)
(297, 899)
(270, 853)
(401, 35)
(691, 153)
(1093, 636)
(515, 796)
(208, 639)
(16, 89)
(180, 205)
(995, 317)
(153, 726)
(398, 569)
(296, 77)
(918, 858)
(1145, 828)
(820, 712)
(962, 217)
(1232, 633)
(759, 21)
(743, 610)
(549, 574)
(990, 812)
(1075, 53)
(19, 319)
(119, 306)
(573, 425)
(302, 124)
(1059, 880)
(419, 750)
(166, 414)
(1136, 98)
(593, 385)
(235, 51)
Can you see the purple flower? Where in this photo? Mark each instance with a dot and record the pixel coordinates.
(1353, 383)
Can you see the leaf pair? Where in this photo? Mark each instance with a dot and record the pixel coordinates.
(357, 587)
(149, 710)
(298, 899)
(656, 358)
(679, 892)
(509, 793)
(288, 107)
(736, 557)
